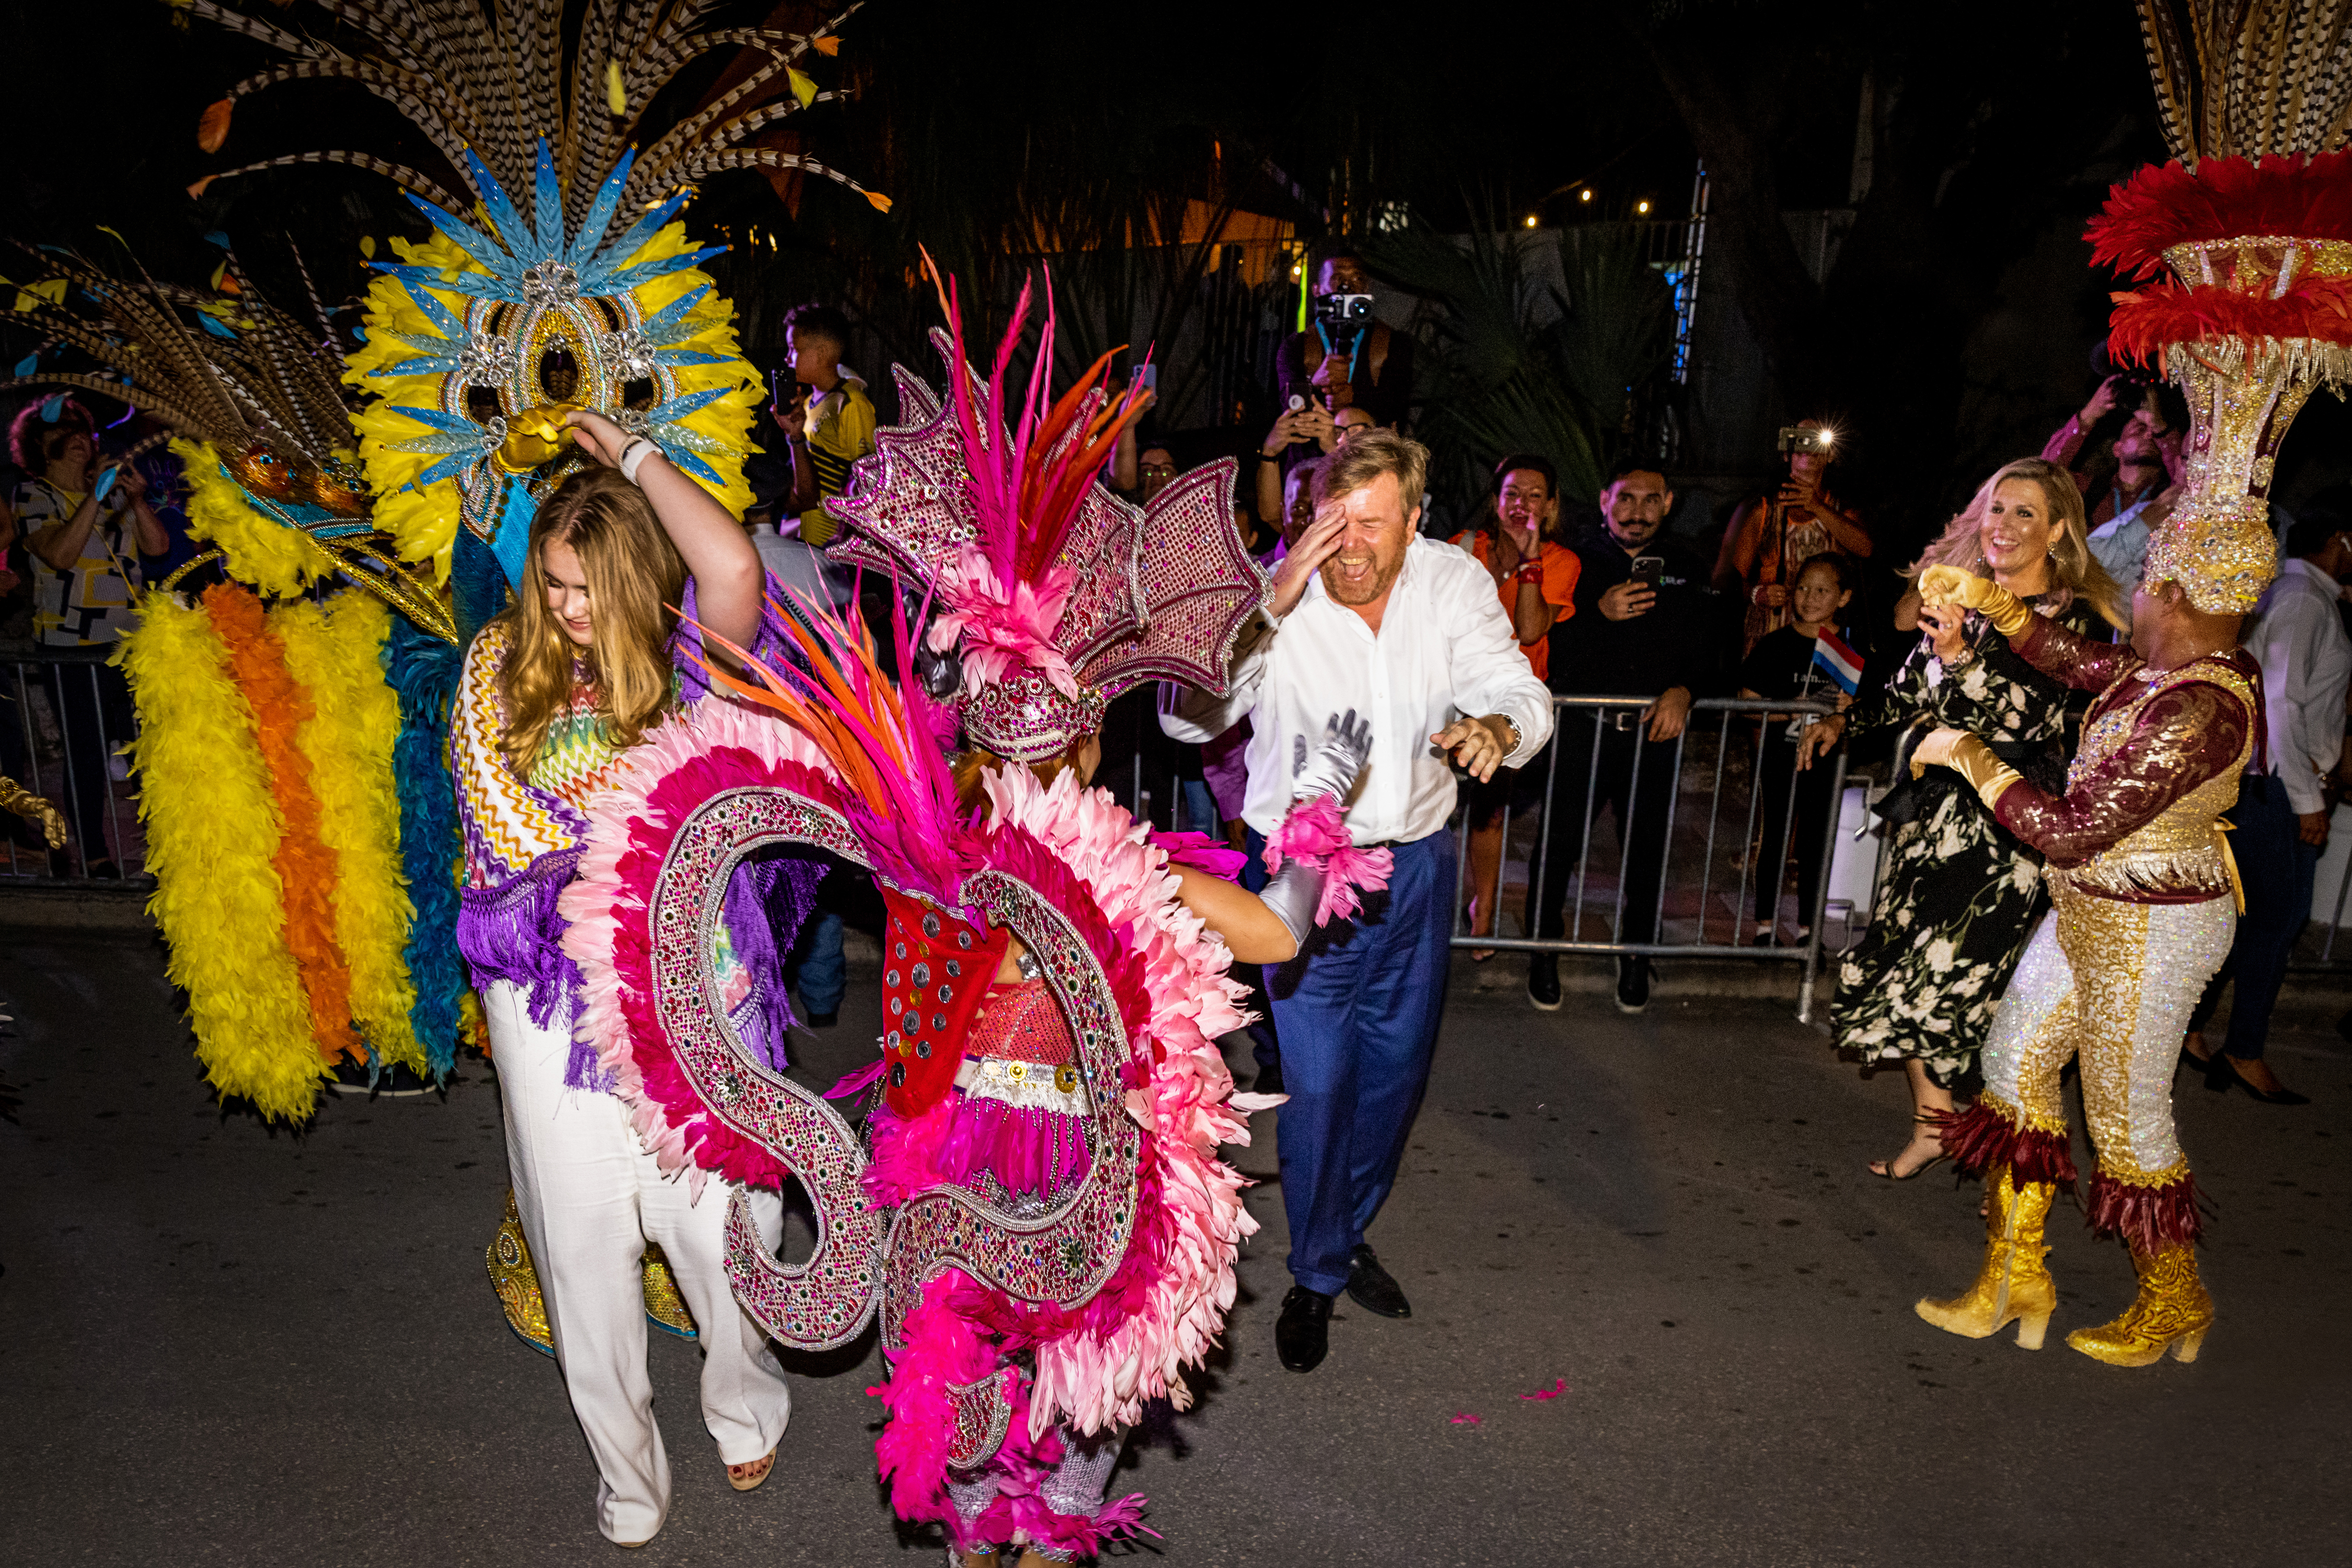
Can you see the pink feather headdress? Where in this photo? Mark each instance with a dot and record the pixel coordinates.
(1059, 595)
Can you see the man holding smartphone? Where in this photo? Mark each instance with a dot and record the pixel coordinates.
(1640, 630)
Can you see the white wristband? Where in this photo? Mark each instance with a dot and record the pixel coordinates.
(634, 456)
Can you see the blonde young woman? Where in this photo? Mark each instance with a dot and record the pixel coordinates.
(554, 692)
(1961, 892)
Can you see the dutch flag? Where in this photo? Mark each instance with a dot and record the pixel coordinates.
(1837, 661)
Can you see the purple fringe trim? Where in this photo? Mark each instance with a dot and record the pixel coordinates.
(512, 933)
(768, 900)
(1038, 1153)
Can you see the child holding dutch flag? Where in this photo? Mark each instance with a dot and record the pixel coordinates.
(1813, 660)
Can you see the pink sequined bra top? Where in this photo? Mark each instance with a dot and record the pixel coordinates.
(1019, 1050)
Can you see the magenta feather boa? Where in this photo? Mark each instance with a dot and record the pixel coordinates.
(1316, 831)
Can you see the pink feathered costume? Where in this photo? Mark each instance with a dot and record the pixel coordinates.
(1042, 1224)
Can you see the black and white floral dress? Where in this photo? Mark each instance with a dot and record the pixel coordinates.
(1962, 893)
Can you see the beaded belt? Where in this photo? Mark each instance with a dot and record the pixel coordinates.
(1025, 1086)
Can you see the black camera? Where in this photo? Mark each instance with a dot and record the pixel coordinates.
(1343, 316)
(1807, 438)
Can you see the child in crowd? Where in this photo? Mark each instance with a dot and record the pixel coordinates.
(1783, 664)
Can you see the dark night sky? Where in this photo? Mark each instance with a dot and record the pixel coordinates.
(1455, 111)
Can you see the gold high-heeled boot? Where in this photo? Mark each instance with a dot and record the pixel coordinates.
(2014, 1282)
(2171, 1312)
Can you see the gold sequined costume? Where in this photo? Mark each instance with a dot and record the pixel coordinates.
(2143, 910)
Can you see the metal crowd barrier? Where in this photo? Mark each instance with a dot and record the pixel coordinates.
(1714, 847)
(59, 740)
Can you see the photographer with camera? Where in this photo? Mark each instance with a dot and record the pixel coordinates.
(1639, 628)
(1771, 536)
(2145, 451)
(1346, 357)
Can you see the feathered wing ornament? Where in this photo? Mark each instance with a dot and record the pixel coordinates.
(259, 418)
(1059, 595)
(558, 280)
(2252, 219)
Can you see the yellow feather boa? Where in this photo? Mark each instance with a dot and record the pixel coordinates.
(212, 835)
(259, 550)
(335, 650)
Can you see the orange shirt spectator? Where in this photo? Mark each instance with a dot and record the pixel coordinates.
(1555, 576)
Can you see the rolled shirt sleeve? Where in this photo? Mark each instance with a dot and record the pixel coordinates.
(1490, 673)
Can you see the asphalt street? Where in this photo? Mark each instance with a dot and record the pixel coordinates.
(221, 1342)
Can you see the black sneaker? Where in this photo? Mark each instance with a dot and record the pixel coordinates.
(394, 1082)
(1632, 985)
(1543, 982)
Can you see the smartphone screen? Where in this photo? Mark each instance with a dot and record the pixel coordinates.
(1146, 377)
(1647, 570)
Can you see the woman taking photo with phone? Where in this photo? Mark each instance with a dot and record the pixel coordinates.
(1961, 892)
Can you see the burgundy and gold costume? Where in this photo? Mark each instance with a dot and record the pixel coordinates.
(2142, 913)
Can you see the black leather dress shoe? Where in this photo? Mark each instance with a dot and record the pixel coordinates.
(1302, 1336)
(1373, 1288)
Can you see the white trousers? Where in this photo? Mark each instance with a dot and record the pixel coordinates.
(590, 1198)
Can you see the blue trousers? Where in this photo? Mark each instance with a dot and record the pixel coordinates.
(1358, 1012)
(2278, 869)
(817, 961)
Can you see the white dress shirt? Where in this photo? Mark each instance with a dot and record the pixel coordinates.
(2306, 662)
(1446, 650)
(2120, 545)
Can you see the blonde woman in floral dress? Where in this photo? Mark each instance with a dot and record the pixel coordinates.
(1962, 893)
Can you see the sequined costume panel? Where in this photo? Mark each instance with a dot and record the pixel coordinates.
(2159, 763)
(2113, 983)
(2064, 653)
(1018, 1130)
(508, 823)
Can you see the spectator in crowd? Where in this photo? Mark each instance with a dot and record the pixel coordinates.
(1536, 577)
(84, 547)
(1298, 436)
(2145, 454)
(1337, 363)
(1962, 893)
(1639, 628)
(2280, 823)
(1367, 619)
(1793, 807)
(1771, 536)
(829, 423)
(2121, 541)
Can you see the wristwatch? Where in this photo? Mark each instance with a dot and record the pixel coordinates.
(1514, 726)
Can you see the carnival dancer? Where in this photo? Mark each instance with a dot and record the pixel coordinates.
(1044, 1226)
(2143, 910)
(554, 693)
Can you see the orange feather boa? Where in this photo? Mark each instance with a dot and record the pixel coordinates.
(305, 866)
